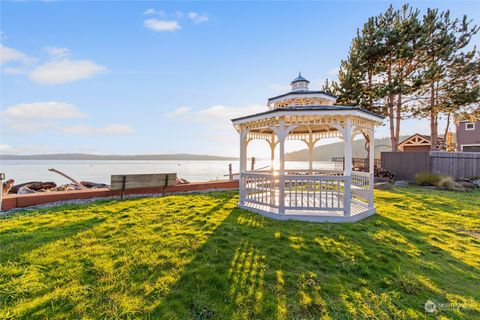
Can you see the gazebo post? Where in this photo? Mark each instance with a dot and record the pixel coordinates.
(282, 132)
(243, 162)
(371, 166)
(347, 171)
(281, 135)
(272, 150)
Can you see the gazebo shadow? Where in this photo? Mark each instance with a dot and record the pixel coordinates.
(252, 267)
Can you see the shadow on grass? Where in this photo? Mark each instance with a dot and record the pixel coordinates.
(256, 268)
(17, 241)
(199, 257)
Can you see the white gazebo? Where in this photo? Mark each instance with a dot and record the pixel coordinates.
(308, 194)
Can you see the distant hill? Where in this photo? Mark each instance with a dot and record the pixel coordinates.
(327, 151)
(83, 156)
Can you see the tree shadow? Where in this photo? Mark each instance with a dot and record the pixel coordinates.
(20, 240)
(374, 269)
(203, 258)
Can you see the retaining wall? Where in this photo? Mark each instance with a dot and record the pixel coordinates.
(26, 200)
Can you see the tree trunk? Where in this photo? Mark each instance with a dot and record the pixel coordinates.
(391, 117)
(433, 119)
(399, 114)
(444, 144)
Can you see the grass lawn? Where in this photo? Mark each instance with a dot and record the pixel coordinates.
(199, 257)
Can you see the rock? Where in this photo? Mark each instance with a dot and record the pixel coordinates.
(383, 186)
(25, 190)
(67, 187)
(401, 184)
(477, 182)
(467, 184)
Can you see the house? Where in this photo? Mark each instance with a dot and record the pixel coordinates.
(468, 136)
(418, 143)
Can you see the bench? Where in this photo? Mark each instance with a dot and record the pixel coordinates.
(134, 181)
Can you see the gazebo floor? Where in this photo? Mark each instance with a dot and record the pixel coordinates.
(358, 210)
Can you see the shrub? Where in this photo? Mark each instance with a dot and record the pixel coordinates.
(446, 182)
(427, 179)
(450, 184)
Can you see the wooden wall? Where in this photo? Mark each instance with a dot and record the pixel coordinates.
(405, 165)
(456, 164)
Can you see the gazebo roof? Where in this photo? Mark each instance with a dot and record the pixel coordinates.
(301, 110)
(299, 78)
(303, 93)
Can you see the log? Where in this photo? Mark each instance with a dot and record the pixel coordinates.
(34, 186)
(69, 178)
(93, 185)
(7, 186)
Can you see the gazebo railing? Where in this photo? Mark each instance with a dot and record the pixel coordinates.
(314, 192)
(360, 185)
(302, 192)
(260, 188)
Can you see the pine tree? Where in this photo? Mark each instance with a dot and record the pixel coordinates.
(449, 76)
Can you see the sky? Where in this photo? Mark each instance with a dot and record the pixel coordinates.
(166, 77)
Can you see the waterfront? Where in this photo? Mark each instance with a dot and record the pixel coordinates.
(100, 171)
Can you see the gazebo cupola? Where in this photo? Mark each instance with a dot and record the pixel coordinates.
(299, 83)
(309, 194)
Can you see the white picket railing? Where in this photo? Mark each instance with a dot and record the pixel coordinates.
(301, 192)
(260, 188)
(314, 192)
(360, 185)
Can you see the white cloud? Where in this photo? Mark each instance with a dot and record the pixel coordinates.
(217, 112)
(197, 17)
(179, 112)
(42, 110)
(57, 52)
(63, 71)
(111, 129)
(161, 25)
(152, 11)
(217, 117)
(15, 70)
(10, 55)
(7, 149)
(47, 116)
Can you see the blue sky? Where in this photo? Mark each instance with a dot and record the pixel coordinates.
(165, 77)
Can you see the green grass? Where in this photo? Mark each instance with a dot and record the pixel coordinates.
(199, 257)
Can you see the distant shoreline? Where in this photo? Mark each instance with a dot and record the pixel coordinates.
(81, 156)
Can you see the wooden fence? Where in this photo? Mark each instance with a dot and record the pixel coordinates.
(405, 165)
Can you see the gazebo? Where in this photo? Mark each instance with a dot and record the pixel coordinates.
(309, 194)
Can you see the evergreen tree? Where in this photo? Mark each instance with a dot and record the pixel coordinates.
(449, 77)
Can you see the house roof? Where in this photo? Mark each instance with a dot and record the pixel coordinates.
(292, 109)
(425, 137)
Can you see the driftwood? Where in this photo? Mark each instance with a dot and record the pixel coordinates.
(69, 178)
(93, 185)
(7, 186)
(25, 190)
(33, 185)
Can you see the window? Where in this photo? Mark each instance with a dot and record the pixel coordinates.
(469, 126)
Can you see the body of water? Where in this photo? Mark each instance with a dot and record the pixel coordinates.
(100, 170)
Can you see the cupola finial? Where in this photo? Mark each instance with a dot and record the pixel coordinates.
(299, 83)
